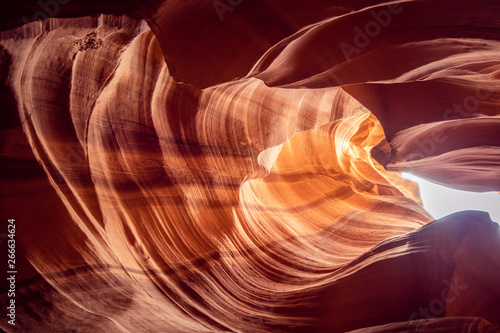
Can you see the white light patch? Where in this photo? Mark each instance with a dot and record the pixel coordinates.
(441, 201)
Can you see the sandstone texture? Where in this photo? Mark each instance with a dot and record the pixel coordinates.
(234, 166)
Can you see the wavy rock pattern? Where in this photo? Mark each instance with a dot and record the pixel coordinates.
(239, 176)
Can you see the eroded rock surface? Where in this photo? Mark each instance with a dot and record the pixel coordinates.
(230, 167)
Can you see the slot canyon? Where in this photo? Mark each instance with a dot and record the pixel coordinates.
(235, 165)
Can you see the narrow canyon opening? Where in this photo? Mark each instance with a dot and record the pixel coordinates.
(441, 201)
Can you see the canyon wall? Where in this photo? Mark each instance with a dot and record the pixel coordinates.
(200, 166)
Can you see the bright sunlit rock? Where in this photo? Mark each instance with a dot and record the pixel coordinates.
(440, 200)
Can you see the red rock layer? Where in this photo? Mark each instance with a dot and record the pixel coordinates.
(174, 199)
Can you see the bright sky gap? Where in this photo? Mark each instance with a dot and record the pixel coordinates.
(441, 201)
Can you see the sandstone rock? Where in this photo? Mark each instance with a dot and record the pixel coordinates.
(233, 166)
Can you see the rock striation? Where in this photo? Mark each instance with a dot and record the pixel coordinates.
(234, 166)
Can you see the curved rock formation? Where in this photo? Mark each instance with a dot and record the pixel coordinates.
(232, 166)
